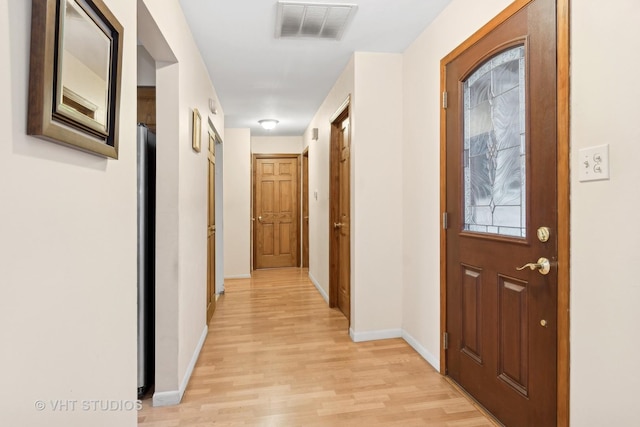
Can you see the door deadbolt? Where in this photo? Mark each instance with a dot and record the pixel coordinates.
(544, 233)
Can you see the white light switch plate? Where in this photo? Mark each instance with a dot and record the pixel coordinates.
(593, 163)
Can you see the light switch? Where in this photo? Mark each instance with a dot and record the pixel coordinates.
(593, 163)
(315, 194)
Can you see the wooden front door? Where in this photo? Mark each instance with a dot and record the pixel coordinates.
(211, 233)
(277, 207)
(501, 214)
(340, 257)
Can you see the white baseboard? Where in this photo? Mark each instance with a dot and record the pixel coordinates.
(239, 276)
(319, 288)
(396, 333)
(166, 398)
(173, 397)
(384, 334)
(426, 355)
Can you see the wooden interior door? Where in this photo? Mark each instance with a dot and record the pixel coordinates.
(211, 233)
(305, 209)
(501, 214)
(277, 208)
(340, 256)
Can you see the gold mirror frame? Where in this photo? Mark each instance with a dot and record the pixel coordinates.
(65, 122)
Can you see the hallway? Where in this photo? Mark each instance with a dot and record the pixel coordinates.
(275, 355)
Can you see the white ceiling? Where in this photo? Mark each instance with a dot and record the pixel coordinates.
(258, 76)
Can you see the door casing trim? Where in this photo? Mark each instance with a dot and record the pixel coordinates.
(304, 195)
(563, 193)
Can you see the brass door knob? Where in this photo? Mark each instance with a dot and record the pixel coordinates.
(543, 266)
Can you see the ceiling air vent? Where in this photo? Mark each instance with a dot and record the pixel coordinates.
(313, 20)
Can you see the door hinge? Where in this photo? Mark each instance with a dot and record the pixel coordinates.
(444, 100)
(445, 340)
(445, 220)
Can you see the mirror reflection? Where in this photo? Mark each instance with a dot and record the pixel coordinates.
(83, 90)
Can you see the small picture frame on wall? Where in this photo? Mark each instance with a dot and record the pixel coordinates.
(197, 130)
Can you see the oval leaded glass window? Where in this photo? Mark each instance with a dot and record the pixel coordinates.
(495, 146)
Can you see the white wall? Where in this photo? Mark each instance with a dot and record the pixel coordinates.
(276, 144)
(374, 82)
(319, 156)
(67, 253)
(376, 199)
(421, 167)
(167, 216)
(605, 248)
(182, 85)
(237, 203)
(146, 70)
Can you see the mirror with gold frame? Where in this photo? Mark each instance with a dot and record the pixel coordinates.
(74, 80)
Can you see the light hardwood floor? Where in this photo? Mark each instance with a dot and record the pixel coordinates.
(276, 355)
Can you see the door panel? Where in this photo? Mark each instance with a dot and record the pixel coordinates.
(267, 240)
(500, 188)
(285, 242)
(276, 212)
(268, 195)
(472, 313)
(513, 362)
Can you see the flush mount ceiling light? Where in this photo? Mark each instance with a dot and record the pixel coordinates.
(268, 124)
(313, 20)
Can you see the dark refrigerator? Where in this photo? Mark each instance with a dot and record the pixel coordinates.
(146, 257)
